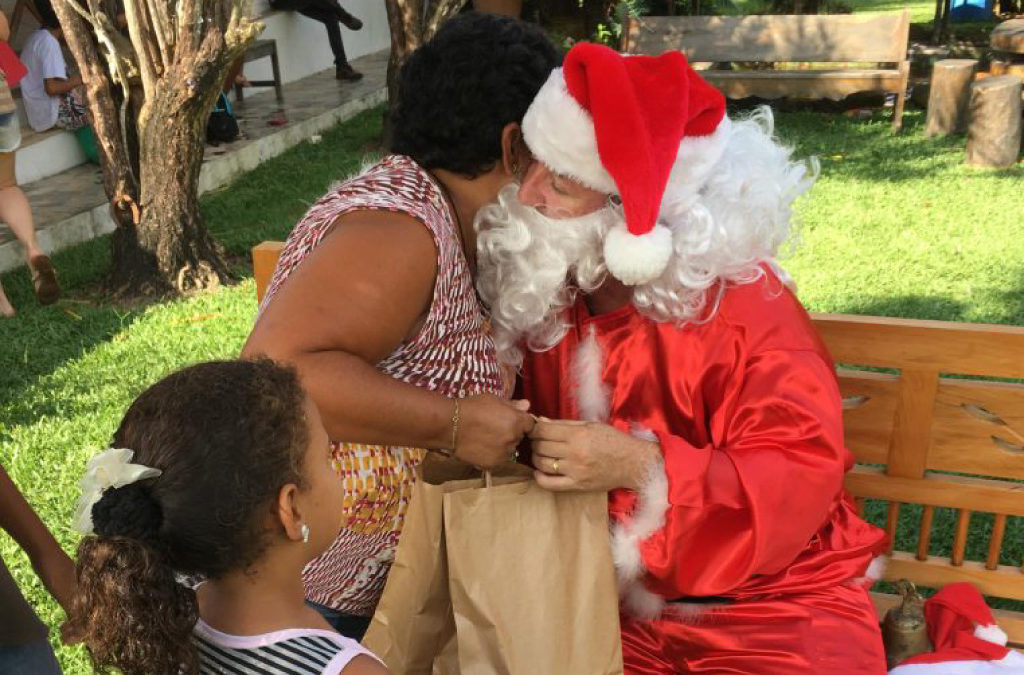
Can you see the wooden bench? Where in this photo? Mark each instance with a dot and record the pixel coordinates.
(920, 436)
(845, 42)
(257, 50)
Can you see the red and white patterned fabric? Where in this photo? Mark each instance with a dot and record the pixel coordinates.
(453, 354)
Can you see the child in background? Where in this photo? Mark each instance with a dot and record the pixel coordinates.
(220, 471)
(51, 97)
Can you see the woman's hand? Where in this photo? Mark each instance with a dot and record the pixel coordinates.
(490, 429)
(589, 456)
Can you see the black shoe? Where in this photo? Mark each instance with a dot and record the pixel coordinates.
(349, 21)
(347, 73)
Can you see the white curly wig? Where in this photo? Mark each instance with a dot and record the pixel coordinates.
(530, 266)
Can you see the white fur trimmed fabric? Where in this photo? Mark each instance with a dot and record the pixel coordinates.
(627, 538)
(590, 390)
(652, 499)
(636, 259)
(560, 133)
(1011, 664)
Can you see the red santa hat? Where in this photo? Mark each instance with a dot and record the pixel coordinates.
(630, 126)
(966, 638)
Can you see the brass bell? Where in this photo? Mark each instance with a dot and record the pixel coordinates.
(903, 629)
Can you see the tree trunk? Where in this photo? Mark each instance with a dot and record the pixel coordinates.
(170, 250)
(948, 94)
(151, 145)
(994, 134)
(120, 182)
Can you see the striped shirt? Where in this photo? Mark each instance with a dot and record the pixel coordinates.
(298, 651)
(452, 354)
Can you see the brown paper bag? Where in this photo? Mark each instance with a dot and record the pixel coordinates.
(529, 571)
(413, 625)
(532, 582)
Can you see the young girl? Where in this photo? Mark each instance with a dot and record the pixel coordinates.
(219, 471)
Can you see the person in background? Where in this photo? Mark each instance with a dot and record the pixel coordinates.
(220, 471)
(52, 98)
(24, 645)
(14, 207)
(330, 13)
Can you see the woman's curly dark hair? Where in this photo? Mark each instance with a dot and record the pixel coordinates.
(458, 91)
(226, 435)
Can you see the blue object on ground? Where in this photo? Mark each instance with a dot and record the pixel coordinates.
(970, 10)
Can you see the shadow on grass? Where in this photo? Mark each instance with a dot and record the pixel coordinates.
(866, 150)
(40, 340)
(1009, 301)
(262, 204)
(908, 307)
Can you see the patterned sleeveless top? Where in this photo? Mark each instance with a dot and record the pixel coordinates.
(453, 354)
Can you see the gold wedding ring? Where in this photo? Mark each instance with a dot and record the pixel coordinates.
(554, 467)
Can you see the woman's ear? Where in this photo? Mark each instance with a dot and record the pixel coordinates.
(288, 512)
(511, 149)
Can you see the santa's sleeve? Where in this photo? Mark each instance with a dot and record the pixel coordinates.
(710, 517)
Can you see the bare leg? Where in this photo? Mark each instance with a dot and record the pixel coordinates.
(6, 309)
(16, 212)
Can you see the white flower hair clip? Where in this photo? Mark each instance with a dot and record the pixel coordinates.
(110, 469)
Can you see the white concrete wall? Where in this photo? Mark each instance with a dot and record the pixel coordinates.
(302, 47)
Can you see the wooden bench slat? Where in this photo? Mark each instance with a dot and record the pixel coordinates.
(950, 347)
(924, 535)
(995, 542)
(264, 261)
(834, 86)
(935, 572)
(854, 37)
(956, 492)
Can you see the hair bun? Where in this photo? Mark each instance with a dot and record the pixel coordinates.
(128, 511)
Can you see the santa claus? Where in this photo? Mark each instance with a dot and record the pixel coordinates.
(630, 277)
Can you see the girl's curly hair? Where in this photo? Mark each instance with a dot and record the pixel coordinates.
(226, 435)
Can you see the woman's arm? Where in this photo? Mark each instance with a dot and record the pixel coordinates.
(5, 28)
(363, 291)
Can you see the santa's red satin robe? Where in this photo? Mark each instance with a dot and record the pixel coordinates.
(748, 415)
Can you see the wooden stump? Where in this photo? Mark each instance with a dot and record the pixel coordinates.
(948, 97)
(993, 136)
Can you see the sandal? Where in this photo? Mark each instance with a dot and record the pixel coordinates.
(44, 280)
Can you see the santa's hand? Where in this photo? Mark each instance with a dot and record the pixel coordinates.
(589, 456)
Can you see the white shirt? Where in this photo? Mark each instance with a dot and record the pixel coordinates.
(43, 59)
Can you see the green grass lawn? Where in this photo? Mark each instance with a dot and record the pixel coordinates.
(895, 226)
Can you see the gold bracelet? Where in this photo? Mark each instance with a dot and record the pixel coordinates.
(455, 428)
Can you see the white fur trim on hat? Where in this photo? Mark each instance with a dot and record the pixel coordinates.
(560, 133)
(637, 259)
(991, 633)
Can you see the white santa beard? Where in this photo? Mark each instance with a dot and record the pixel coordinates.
(529, 267)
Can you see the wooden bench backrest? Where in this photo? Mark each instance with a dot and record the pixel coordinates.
(815, 38)
(944, 440)
(919, 436)
(264, 260)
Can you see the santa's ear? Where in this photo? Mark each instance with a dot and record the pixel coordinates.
(512, 149)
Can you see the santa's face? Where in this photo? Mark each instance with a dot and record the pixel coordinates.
(530, 264)
(557, 196)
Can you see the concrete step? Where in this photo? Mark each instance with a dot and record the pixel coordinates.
(70, 207)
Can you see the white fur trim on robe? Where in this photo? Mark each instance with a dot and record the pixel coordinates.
(1011, 664)
(592, 403)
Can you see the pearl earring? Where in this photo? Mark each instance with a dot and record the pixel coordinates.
(305, 533)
